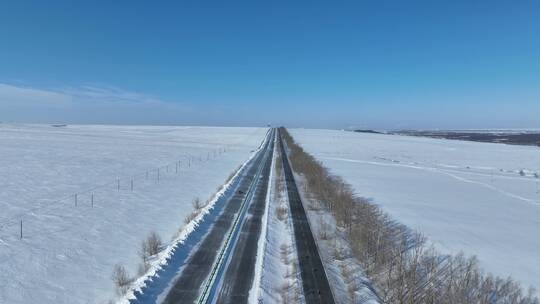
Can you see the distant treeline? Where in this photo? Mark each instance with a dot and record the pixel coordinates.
(367, 131)
(515, 138)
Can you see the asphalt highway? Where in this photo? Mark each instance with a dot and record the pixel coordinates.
(314, 280)
(239, 276)
(187, 287)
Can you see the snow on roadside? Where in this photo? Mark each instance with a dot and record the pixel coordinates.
(254, 292)
(280, 280)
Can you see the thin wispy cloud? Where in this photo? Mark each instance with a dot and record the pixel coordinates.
(85, 104)
(17, 96)
(108, 94)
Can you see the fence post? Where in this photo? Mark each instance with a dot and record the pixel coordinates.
(75, 199)
(176, 170)
(158, 175)
(146, 174)
(21, 230)
(92, 200)
(118, 182)
(131, 184)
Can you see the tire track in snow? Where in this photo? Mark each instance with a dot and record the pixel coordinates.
(444, 172)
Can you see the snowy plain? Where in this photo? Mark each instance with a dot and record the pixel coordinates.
(479, 198)
(69, 246)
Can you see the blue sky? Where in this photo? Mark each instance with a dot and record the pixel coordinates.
(331, 64)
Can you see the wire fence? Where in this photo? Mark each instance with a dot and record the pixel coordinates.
(97, 196)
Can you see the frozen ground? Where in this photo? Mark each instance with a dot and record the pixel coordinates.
(69, 248)
(481, 198)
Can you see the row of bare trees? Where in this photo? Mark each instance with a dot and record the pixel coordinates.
(290, 290)
(402, 267)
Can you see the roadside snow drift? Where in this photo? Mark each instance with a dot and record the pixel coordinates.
(480, 198)
(88, 195)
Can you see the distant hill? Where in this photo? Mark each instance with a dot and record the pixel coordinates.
(368, 131)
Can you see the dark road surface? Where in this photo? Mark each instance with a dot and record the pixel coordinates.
(314, 280)
(240, 272)
(186, 288)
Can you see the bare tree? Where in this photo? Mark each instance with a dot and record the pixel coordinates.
(197, 204)
(153, 243)
(121, 279)
(324, 228)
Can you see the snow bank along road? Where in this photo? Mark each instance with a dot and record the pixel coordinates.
(222, 267)
(314, 280)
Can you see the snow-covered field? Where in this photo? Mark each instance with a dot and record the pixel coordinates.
(69, 247)
(481, 198)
